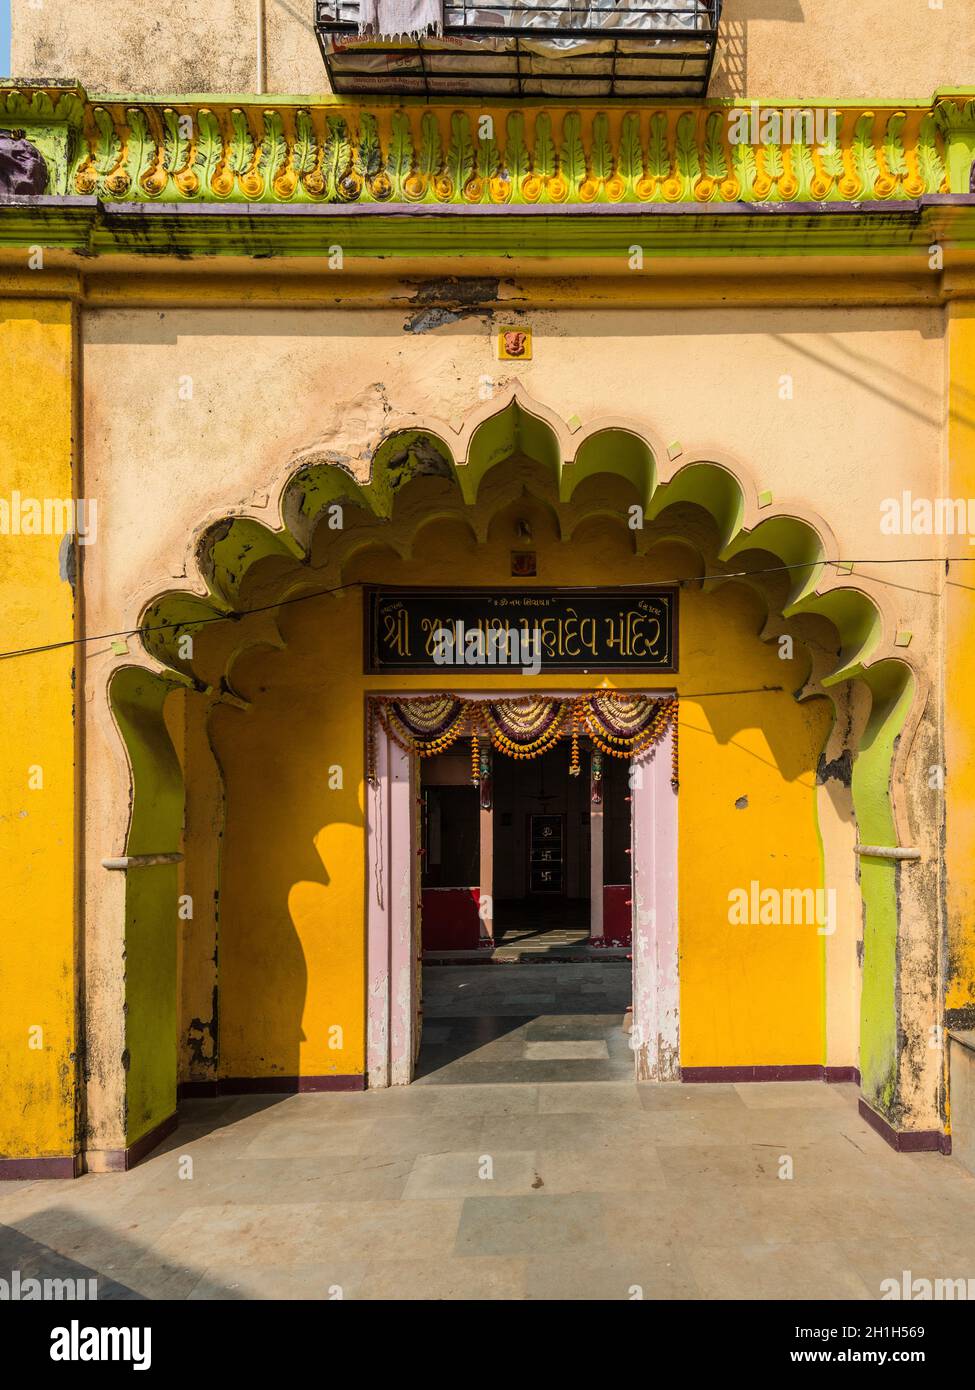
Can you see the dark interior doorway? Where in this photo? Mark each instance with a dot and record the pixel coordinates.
(541, 852)
(513, 870)
(533, 1001)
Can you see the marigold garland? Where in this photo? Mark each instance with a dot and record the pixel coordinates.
(475, 757)
(618, 724)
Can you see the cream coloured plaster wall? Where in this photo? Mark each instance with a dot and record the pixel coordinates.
(122, 46)
(902, 49)
(863, 422)
(905, 49)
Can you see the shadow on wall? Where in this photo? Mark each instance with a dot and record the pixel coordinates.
(730, 76)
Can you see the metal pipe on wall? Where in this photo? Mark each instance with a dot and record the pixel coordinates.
(260, 20)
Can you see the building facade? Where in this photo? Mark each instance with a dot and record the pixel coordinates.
(290, 373)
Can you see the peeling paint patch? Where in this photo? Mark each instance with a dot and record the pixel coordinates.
(840, 769)
(446, 300)
(430, 319)
(67, 560)
(741, 804)
(462, 292)
(201, 1038)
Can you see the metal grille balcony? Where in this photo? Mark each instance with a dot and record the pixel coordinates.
(530, 48)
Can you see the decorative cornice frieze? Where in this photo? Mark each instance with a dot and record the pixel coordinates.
(549, 156)
(280, 152)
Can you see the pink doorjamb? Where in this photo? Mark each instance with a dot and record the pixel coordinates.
(655, 1038)
(392, 918)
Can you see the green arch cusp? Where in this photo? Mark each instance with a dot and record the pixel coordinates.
(399, 459)
(229, 549)
(511, 432)
(858, 622)
(313, 490)
(169, 620)
(793, 543)
(709, 486)
(617, 452)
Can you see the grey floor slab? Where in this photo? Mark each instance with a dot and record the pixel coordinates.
(510, 1171)
(525, 1023)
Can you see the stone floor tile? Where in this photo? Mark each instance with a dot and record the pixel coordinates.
(426, 1134)
(484, 1277)
(580, 1096)
(530, 1225)
(475, 1174)
(576, 1130)
(878, 1257)
(696, 1099)
(326, 1281)
(610, 1168)
(694, 1164)
(809, 1271)
(804, 1094)
(460, 1098)
(624, 1277)
(566, 1051)
(300, 1140)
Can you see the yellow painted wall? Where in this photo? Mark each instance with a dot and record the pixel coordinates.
(959, 699)
(37, 827)
(292, 904)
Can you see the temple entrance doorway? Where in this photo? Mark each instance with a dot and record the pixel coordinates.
(522, 905)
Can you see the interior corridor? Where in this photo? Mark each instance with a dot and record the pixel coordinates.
(538, 1022)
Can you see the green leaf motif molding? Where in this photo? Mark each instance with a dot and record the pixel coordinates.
(225, 151)
(39, 105)
(551, 155)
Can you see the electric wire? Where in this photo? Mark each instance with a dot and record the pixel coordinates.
(236, 614)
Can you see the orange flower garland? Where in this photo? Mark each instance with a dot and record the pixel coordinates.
(438, 721)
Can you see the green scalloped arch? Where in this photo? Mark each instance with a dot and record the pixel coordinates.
(137, 698)
(794, 542)
(230, 550)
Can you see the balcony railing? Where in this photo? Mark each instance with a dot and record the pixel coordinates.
(531, 48)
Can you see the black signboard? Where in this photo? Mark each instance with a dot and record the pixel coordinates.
(439, 630)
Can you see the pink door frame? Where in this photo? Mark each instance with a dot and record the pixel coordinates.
(391, 904)
(392, 901)
(655, 1037)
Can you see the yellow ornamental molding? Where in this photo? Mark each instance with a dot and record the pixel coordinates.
(238, 150)
(339, 153)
